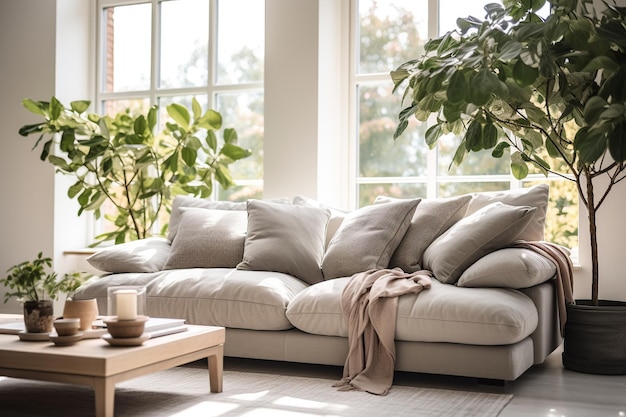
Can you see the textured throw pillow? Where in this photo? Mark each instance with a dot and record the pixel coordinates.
(367, 238)
(285, 238)
(508, 268)
(430, 220)
(535, 196)
(190, 201)
(144, 255)
(336, 215)
(491, 228)
(208, 239)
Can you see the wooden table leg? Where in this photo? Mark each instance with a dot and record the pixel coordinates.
(104, 390)
(216, 369)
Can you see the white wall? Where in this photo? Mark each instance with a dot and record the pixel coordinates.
(27, 69)
(38, 61)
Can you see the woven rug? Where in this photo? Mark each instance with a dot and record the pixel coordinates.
(184, 391)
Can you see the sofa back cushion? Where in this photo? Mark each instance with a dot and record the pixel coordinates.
(367, 238)
(535, 196)
(491, 228)
(208, 239)
(285, 238)
(430, 220)
(143, 255)
(508, 268)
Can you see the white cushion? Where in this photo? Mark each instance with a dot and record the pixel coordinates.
(255, 300)
(144, 255)
(508, 268)
(491, 228)
(208, 239)
(336, 215)
(443, 313)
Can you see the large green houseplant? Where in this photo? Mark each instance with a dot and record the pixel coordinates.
(550, 92)
(130, 162)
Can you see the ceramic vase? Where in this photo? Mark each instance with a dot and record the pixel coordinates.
(85, 310)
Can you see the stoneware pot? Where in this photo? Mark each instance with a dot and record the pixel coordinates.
(85, 310)
(595, 337)
(38, 316)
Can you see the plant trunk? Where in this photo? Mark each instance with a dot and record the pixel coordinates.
(591, 211)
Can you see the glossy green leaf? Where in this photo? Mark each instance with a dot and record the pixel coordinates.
(80, 106)
(179, 114)
(457, 87)
(590, 144)
(523, 74)
(189, 155)
(211, 140)
(617, 142)
(234, 152)
(433, 134)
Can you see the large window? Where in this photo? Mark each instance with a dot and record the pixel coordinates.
(164, 51)
(386, 34)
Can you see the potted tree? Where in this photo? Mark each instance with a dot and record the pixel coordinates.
(551, 93)
(37, 286)
(126, 161)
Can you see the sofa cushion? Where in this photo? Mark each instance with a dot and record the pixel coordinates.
(430, 220)
(190, 201)
(443, 313)
(535, 196)
(508, 268)
(490, 228)
(255, 300)
(285, 238)
(144, 255)
(367, 238)
(208, 239)
(336, 215)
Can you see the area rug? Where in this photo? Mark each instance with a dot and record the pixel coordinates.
(183, 391)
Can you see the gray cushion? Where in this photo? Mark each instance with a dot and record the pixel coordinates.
(144, 255)
(535, 196)
(285, 238)
(431, 219)
(508, 268)
(367, 238)
(490, 228)
(208, 239)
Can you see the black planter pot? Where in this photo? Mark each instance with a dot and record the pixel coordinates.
(595, 337)
(38, 316)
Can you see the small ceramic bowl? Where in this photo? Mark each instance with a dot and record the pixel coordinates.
(66, 327)
(126, 328)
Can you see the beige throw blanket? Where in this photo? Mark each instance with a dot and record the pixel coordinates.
(370, 303)
(564, 273)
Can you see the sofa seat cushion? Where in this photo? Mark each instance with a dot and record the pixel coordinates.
(443, 313)
(255, 300)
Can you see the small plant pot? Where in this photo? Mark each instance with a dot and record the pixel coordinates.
(85, 310)
(38, 316)
(121, 329)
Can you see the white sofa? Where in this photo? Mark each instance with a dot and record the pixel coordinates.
(273, 272)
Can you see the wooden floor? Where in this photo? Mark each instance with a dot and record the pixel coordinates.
(545, 390)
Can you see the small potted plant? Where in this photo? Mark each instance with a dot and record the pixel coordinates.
(37, 287)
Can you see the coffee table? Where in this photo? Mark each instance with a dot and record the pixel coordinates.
(95, 363)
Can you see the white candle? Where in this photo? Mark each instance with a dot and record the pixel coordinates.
(126, 304)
